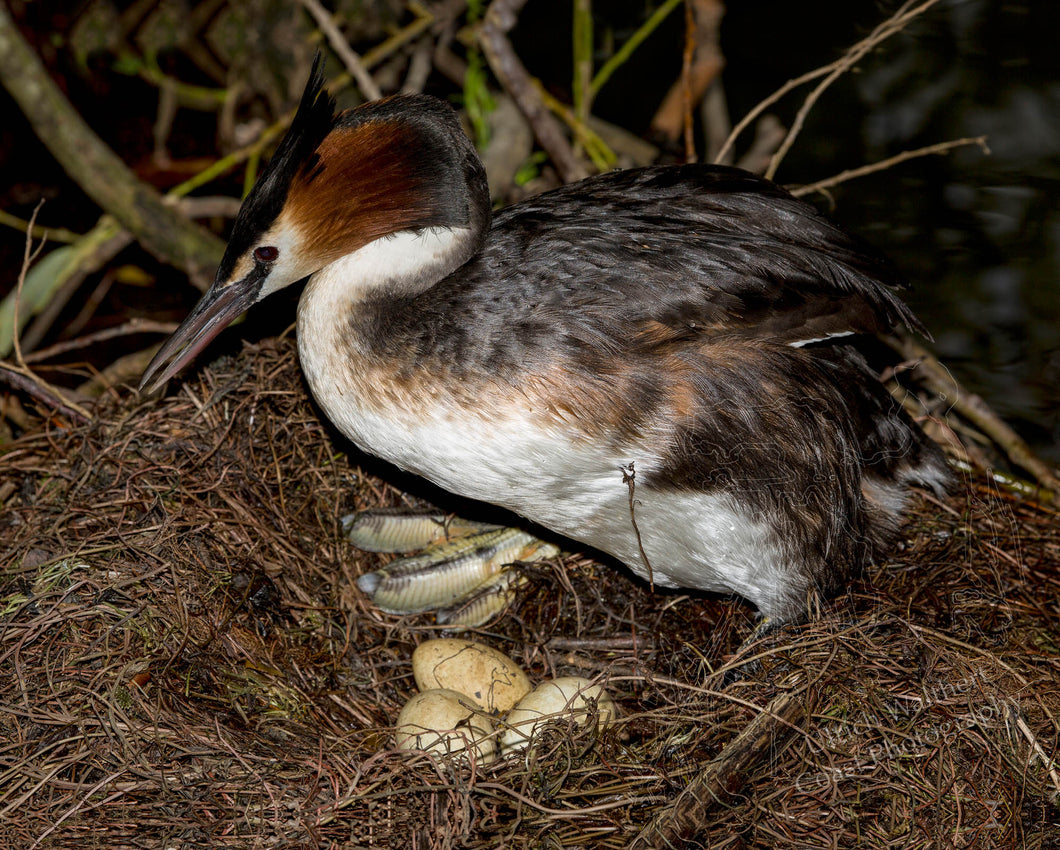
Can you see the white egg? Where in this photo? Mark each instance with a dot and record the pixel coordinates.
(566, 698)
(446, 722)
(489, 677)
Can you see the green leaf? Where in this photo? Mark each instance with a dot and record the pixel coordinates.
(530, 168)
(41, 283)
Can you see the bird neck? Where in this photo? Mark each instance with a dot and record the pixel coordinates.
(398, 265)
(396, 165)
(395, 200)
(400, 201)
(346, 304)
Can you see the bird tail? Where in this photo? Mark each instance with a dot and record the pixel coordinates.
(896, 453)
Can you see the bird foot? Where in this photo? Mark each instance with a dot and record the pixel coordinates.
(464, 571)
(752, 666)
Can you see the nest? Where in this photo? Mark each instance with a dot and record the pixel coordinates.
(185, 661)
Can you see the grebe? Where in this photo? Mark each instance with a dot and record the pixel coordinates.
(677, 330)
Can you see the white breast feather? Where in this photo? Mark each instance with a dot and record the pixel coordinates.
(576, 488)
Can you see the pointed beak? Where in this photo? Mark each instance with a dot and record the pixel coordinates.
(222, 303)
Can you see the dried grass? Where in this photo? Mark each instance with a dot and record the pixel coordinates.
(185, 661)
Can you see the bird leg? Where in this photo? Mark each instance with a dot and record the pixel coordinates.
(461, 570)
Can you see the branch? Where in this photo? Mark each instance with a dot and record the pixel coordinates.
(339, 44)
(883, 164)
(50, 234)
(895, 24)
(937, 378)
(96, 168)
(90, 254)
(19, 375)
(512, 74)
(703, 62)
(581, 85)
(596, 148)
(888, 28)
(133, 326)
(256, 148)
(41, 391)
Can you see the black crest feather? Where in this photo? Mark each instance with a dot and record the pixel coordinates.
(312, 122)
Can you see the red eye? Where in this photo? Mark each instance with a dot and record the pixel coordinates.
(266, 254)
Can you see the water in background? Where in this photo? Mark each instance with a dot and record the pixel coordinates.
(978, 236)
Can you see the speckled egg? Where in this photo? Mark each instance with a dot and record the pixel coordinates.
(490, 678)
(568, 697)
(445, 721)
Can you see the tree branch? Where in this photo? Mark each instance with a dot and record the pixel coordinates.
(883, 164)
(512, 74)
(97, 169)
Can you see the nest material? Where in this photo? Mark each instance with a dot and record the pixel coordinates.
(185, 661)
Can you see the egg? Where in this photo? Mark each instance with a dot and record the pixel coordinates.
(490, 678)
(445, 722)
(566, 698)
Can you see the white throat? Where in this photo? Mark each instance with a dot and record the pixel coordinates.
(402, 263)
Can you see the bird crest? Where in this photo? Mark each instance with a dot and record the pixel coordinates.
(312, 122)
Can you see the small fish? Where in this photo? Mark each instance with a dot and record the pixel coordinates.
(397, 530)
(450, 572)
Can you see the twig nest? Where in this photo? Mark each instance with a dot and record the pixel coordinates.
(445, 722)
(566, 698)
(490, 678)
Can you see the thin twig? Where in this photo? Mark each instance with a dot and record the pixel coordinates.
(370, 59)
(686, 83)
(883, 164)
(767, 102)
(29, 254)
(97, 248)
(52, 234)
(339, 44)
(133, 326)
(388, 47)
(895, 24)
(843, 62)
(581, 87)
(46, 394)
(702, 62)
(20, 375)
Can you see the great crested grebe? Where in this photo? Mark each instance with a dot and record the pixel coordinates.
(682, 325)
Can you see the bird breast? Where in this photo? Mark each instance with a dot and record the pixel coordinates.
(554, 447)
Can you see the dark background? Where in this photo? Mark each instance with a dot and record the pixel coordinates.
(978, 236)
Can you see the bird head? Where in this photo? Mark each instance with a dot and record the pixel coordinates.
(336, 184)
